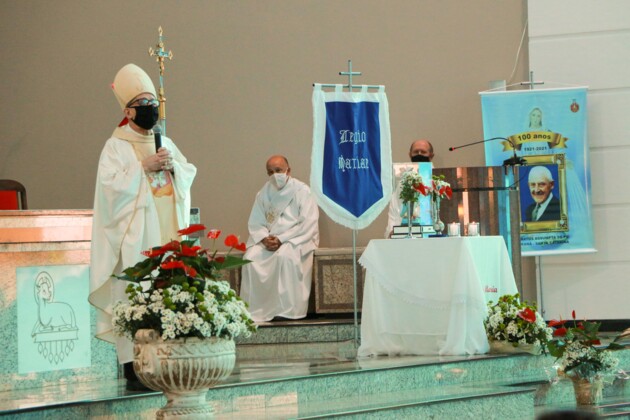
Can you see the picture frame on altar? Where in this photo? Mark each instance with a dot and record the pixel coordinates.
(554, 217)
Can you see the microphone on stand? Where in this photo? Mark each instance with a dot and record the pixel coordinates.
(513, 161)
(157, 135)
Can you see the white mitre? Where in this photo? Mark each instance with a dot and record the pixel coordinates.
(131, 81)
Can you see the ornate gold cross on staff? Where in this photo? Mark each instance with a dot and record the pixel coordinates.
(160, 54)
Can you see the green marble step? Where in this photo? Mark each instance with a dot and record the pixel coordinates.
(440, 402)
(324, 379)
(302, 331)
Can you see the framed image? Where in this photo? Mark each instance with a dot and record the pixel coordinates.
(543, 193)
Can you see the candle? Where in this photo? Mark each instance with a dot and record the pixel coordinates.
(453, 229)
(473, 229)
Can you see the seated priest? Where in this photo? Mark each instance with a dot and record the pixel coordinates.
(283, 234)
(419, 151)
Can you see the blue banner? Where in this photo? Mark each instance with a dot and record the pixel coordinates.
(351, 161)
(548, 129)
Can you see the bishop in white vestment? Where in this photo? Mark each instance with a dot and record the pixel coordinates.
(142, 199)
(283, 234)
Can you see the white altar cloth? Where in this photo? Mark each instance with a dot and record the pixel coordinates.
(428, 296)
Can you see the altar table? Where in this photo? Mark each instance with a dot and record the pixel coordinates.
(428, 296)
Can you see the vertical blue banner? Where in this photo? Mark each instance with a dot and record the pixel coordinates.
(351, 160)
(548, 129)
(351, 175)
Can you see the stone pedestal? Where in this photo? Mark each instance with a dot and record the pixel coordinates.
(333, 280)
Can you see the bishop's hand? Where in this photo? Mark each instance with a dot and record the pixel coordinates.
(162, 160)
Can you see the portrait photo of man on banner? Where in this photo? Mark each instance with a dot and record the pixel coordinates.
(351, 168)
(543, 194)
(547, 128)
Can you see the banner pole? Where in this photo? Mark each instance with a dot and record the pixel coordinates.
(354, 272)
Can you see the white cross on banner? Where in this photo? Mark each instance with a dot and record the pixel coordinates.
(351, 161)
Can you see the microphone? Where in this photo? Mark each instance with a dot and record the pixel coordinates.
(157, 135)
(514, 160)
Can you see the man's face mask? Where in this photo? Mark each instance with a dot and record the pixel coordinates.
(279, 180)
(420, 158)
(146, 116)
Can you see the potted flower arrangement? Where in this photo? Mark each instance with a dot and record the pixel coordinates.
(183, 319)
(513, 326)
(582, 358)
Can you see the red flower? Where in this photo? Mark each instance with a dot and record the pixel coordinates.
(421, 189)
(191, 229)
(528, 315)
(241, 247)
(560, 332)
(152, 253)
(191, 272)
(171, 246)
(190, 251)
(214, 233)
(172, 265)
(231, 241)
(573, 314)
(555, 323)
(220, 259)
(449, 192)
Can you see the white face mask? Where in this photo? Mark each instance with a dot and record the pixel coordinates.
(279, 180)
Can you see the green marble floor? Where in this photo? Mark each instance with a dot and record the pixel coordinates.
(283, 375)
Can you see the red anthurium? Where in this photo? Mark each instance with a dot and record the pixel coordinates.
(528, 315)
(449, 192)
(191, 272)
(171, 246)
(241, 247)
(190, 251)
(580, 326)
(220, 260)
(191, 229)
(231, 241)
(421, 189)
(555, 323)
(172, 265)
(560, 332)
(214, 233)
(152, 253)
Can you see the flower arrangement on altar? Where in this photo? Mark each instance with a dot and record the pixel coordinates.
(440, 188)
(517, 323)
(177, 292)
(579, 350)
(411, 186)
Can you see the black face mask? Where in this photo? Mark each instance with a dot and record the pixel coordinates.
(146, 116)
(420, 158)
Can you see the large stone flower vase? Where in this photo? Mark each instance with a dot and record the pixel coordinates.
(183, 369)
